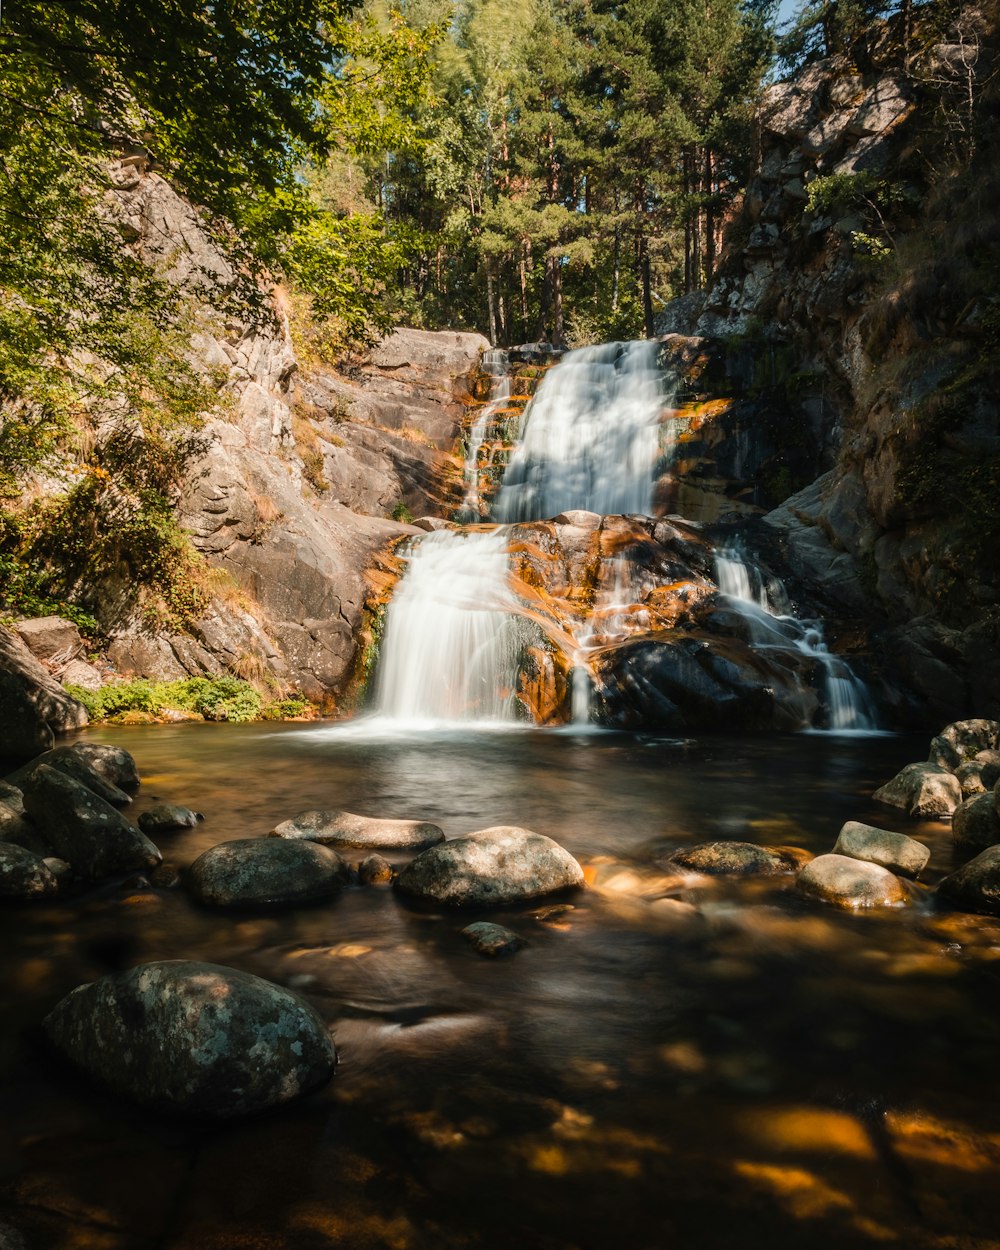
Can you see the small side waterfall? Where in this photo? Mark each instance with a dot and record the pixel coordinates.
(590, 436)
(451, 644)
(765, 607)
(496, 365)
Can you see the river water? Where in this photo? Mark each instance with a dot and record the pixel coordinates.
(750, 1070)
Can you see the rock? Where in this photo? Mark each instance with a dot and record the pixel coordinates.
(58, 867)
(970, 777)
(23, 875)
(24, 732)
(976, 885)
(963, 741)
(266, 872)
(346, 829)
(922, 790)
(72, 762)
(50, 637)
(194, 1039)
(894, 851)
(81, 828)
(492, 939)
(59, 710)
(490, 868)
(850, 883)
(167, 817)
(115, 764)
(431, 523)
(737, 858)
(80, 673)
(976, 824)
(10, 1238)
(374, 870)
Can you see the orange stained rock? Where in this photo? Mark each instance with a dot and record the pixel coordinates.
(805, 1128)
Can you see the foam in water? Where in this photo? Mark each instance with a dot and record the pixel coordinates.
(451, 645)
(590, 437)
(764, 606)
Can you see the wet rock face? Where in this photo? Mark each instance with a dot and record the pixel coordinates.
(490, 868)
(194, 1039)
(115, 764)
(976, 885)
(851, 884)
(167, 818)
(734, 858)
(894, 851)
(266, 872)
(331, 828)
(922, 790)
(23, 876)
(80, 827)
(492, 940)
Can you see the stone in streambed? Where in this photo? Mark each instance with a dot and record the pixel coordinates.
(24, 732)
(976, 885)
(492, 939)
(925, 789)
(23, 876)
(115, 764)
(490, 868)
(81, 828)
(851, 883)
(894, 851)
(346, 829)
(168, 817)
(964, 740)
(73, 763)
(734, 858)
(374, 870)
(976, 824)
(194, 1038)
(266, 872)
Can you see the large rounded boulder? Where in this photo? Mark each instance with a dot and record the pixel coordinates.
(851, 883)
(976, 885)
(194, 1038)
(490, 868)
(894, 851)
(976, 824)
(23, 875)
(369, 832)
(925, 790)
(266, 872)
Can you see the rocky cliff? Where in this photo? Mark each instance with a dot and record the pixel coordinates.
(862, 276)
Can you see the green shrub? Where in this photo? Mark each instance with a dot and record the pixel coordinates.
(287, 709)
(219, 698)
(401, 513)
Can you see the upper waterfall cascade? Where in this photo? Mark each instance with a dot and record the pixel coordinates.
(590, 438)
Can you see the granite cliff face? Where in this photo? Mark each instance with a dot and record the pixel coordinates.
(293, 488)
(857, 278)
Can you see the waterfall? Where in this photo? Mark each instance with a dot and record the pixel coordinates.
(451, 645)
(764, 606)
(589, 437)
(495, 364)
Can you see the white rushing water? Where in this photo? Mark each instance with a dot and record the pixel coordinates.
(765, 607)
(494, 363)
(590, 437)
(451, 643)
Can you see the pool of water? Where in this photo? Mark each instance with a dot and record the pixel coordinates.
(668, 1062)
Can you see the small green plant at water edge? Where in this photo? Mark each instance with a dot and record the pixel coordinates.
(401, 513)
(218, 699)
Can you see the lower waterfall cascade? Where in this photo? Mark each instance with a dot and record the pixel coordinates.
(591, 441)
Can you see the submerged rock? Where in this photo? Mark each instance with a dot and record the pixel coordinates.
(23, 875)
(976, 824)
(72, 762)
(490, 868)
(924, 789)
(266, 872)
(374, 870)
(167, 817)
(194, 1038)
(78, 826)
(736, 858)
(894, 851)
(346, 829)
(851, 883)
(976, 885)
(492, 939)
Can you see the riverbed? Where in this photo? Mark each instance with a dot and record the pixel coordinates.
(748, 1070)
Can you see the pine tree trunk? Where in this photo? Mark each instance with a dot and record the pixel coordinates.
(558, 327)
(491, 305)
(710, 216)
(616, 270)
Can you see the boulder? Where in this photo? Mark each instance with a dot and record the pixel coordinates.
(490, 868)
(976, 885)
(735, 858)
(23, 875)
(50, 637)
(60, 711)
(115, 764)
(492, 939)
(24, 732)
(976, 824)
(374, 870)
(963, 741)
(72, 762)
(266, 872)
(850, 883)
(168, 817)
(345, 829)
(894, 851)
(194, 1039)
(80, 673)
(971, 777)
(79, 827)
(926, 789)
